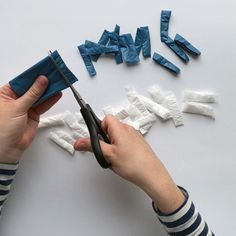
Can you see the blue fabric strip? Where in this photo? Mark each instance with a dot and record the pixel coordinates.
(165, 63)
(128, 49)
(87, 60)
(142, 41)
(46, 67)
(177, 50)
(165, 19)
(187, 46)
(95, 48)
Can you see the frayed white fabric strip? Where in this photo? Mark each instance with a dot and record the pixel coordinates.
(144, 130)
(134, 100)
(122, 114)
(198, 108)
(156, 94)
(171, 103)
(108, 110)
(145, 120)
(155, 108)
(51, 121)
(80, 133)
(133, 112)
(129, 122)
(79, 118)
(199, 96)
(63, 140)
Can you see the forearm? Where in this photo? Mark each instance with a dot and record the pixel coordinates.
(7, 174)
(161, 188)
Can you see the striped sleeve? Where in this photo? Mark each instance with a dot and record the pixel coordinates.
(7, 174)
(185, 221)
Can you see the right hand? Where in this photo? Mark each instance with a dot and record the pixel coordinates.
(129, 155)
(133, 159)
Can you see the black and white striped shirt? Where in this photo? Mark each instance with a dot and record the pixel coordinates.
(185, 221)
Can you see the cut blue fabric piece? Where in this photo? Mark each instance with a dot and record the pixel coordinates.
(165, 63)
(87, 60)
(95, 48)
(142, 41)
(187, 46)
(128, 49)
(110, 39)
(165, 19)
(177, 50)
(24, 81)
(114, 40)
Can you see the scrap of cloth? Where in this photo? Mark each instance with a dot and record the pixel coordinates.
(128, 49)
(165, 19)
(45, 67)
(142, 41)
(176, 49)
(165, 63)
(187, 46)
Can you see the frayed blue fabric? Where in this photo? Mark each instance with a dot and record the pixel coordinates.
(187, 46)
(128, 49)
(110, 39)
(165, 19)
(165, 63)
(142, 41)
(87, 60)
(177, 50)
(95, 48)
(21, 84)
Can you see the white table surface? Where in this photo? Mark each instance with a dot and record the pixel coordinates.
(56, 194)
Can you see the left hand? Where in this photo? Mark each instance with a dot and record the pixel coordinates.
(19, 121)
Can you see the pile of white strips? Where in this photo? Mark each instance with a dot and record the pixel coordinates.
(141, 113)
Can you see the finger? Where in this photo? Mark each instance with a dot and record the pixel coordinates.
(33, 94)
(7, 91)
(111, 126)
(84, 144)
(45, 106)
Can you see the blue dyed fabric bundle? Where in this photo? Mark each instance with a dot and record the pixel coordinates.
(187, 46)
(128, 49)
(165, 19)
(177, 50)
(24, 81)
(142, 41)
(165, 63)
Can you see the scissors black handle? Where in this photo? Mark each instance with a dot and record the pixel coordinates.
(96, 133)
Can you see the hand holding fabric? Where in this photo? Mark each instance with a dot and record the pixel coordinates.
(18, 120)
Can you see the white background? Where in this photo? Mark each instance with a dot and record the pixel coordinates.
(56, 194)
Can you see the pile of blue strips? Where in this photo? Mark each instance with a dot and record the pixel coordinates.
(127, 50)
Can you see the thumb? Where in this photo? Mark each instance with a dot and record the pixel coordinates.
(33, 94)
(84, 144)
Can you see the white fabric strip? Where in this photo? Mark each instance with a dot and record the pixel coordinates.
(156, 94)
(134, 124)
(133, 112)
(79, 118)
(122, 114)
(62, 140)
(51, 121)
(135, 100)
(72, 122)
(199, 96)
(198, 108)
(171, 103)
(144, 130)
(108, 110)
(155, 108)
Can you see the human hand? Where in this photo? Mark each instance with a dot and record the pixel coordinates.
(134, 160)
(18, 120)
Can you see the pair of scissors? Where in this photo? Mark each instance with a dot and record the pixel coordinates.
(92, 121)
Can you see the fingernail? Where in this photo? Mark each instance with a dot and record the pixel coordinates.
(42, 80)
